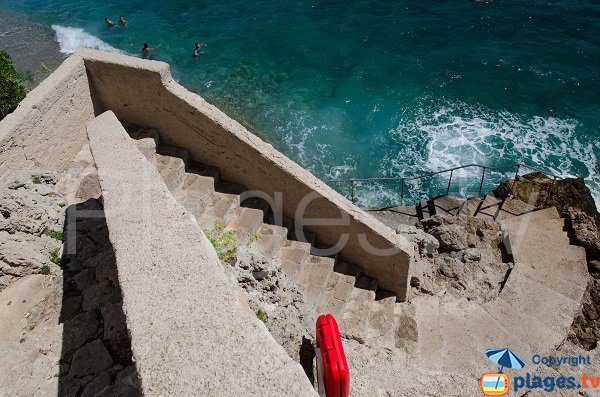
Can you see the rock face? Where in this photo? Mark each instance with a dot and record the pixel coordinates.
(543, 192)
(271, 291)
(31, 223)
(465, 258)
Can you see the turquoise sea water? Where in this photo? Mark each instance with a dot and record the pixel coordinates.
(376, 88)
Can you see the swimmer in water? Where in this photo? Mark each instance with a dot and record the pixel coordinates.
(146, 50)
(122, 21)
(108, 22)
(197, 47)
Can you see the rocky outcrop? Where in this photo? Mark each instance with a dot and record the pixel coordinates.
(31, 218)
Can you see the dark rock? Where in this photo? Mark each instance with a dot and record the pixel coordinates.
(96, 385)
(544, 192)
(586, 232)
(84, 279)
(70, 307)
(99, 295)
(78, 330)
(120, 390)
(91, 359)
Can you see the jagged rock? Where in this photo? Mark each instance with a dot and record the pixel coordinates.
(586, 230)
(115, 335)
(91, 359)
(120, 390)
(85, 279)
(99, 295)
(89, 187)
(5, 281)
(585, 330)
(450, 267)
(96, 385)
(70, 307)
(79, 330)
(425, 242)
(594, 268)
(471, 254)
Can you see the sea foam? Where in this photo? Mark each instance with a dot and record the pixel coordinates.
(71, 39)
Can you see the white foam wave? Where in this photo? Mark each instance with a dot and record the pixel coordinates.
(457, 134)
(71, 39)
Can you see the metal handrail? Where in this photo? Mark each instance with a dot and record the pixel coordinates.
(352, 181)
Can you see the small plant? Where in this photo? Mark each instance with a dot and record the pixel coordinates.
(36, 179)
(55, 257)
(225, 244)
(54, 234)
(45, 270)
(261, 315)
(253, 236)
(61, 205)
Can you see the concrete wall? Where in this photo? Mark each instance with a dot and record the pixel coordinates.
(143, 92)
(189, 335)
(47, 129)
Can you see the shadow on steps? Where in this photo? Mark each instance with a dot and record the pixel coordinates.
(96, 357)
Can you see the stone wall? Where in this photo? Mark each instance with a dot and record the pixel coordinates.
(47, 129)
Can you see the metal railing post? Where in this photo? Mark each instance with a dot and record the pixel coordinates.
(402, 192)
(449, 182)
(512, 188)
(352, 187)
(481, 183)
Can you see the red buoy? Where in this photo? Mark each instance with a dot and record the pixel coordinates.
(333, 374)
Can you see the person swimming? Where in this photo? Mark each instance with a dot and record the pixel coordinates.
(197, 47)
(123, 21)
(146, 50)
(108, 22)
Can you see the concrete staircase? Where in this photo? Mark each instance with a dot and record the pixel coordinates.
(329, 285)
(533, 312)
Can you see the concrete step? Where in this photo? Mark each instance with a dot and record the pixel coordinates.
(219, 209)
(291, 256)
(270, 239)
(230, 187)
(205, 170)
(336, 294)
(447, 205)
(146, 140)
(314, 277)
(488, 207)
(355, 317)
(547, 236)
(193, 193)
(381, 330)
(244, 222)
(514, 208)
(172, 170)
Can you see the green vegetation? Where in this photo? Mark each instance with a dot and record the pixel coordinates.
(54, 234)
(61, 205)
(36, 179)
(253, 236)
(261, 315)
(12, 90)
(55, 257)
(45, 270)
(225, 244)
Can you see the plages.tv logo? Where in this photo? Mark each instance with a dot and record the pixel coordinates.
(498, 383)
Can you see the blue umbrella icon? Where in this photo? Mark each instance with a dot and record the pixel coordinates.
(504, 358)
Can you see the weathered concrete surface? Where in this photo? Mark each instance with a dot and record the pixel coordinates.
(189, 334)
(147, 95)
(48, 127)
